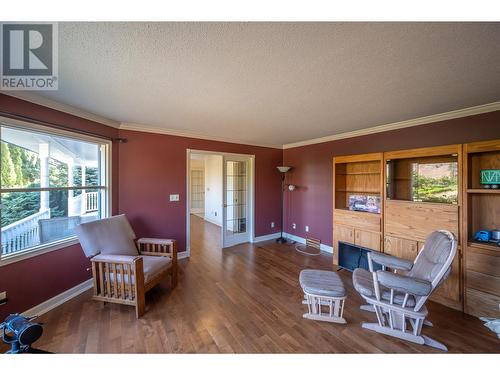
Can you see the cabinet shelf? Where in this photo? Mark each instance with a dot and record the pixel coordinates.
(358, 191)
(358, 173)
(483, 191)
(357, 212)
(484, 245)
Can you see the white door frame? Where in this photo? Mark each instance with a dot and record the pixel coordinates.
(251, 197)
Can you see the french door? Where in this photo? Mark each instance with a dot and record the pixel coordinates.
(236, 183)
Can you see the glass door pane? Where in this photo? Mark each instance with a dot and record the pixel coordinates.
(235, 228)
(197, 191)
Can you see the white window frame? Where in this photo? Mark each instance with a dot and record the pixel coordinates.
(107, 188)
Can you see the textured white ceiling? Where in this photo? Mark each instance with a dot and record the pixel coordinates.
(276, 83)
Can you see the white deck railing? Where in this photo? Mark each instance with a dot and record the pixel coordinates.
(23, 233)
(91, 201)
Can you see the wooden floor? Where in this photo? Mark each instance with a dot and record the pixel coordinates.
(240, 300)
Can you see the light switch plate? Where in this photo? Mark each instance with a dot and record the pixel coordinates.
(3, 296)
(174, 197)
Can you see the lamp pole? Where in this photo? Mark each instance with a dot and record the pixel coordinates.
(282, 170)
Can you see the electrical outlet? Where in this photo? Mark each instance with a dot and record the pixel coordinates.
(307, 228)
(294, 226)
(174, 197)
(272, 224)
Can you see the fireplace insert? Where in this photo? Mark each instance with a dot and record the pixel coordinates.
(352, 257)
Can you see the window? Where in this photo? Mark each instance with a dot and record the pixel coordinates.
(50, 182)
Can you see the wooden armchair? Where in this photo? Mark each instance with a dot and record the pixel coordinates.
(124, 270)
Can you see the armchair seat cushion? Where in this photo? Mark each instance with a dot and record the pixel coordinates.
(152, 266)
(363, 283)
(322, 283)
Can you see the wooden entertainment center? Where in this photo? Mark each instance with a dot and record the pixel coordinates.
(409, 194)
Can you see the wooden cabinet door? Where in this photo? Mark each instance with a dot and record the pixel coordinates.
(401, 247)
(343, 234)
(409, 249)
(367, 239)
(420, 245)
(392, 246)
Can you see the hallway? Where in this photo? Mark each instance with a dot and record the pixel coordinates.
(205, 236)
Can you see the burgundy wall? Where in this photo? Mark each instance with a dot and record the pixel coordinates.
(35, 280)
(311, 204)
(153, 166)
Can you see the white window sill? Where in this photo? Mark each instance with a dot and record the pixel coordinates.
(38, 250)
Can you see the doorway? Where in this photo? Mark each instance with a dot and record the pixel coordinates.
(220, 205)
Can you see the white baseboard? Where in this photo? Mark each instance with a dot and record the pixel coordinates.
(65, 296)
(55, 301)
(182, 255)
(210, 220)
(267, 237)
(323, 247)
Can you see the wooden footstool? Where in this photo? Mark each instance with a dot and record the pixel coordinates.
(324, 295)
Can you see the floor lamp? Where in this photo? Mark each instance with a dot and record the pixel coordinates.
(283, 171)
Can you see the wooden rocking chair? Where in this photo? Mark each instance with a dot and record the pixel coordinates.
(399, 300)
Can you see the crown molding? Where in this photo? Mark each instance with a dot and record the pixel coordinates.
(66, 108)
(43, 101)
(180, 133)
(490, 107)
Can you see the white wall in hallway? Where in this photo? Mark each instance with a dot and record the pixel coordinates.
(213, 189)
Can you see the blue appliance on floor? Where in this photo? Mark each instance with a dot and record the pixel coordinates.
(20, 333)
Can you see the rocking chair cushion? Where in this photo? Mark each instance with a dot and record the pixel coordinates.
(404, 284)
(437, 248)
(391, 261)
(363, 283)
(322, 283)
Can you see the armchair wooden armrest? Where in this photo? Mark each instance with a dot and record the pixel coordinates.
(157, 247)
(160, 247)
(119, 279)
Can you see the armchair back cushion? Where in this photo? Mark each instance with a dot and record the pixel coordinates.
(111, 236)
(437, 249)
